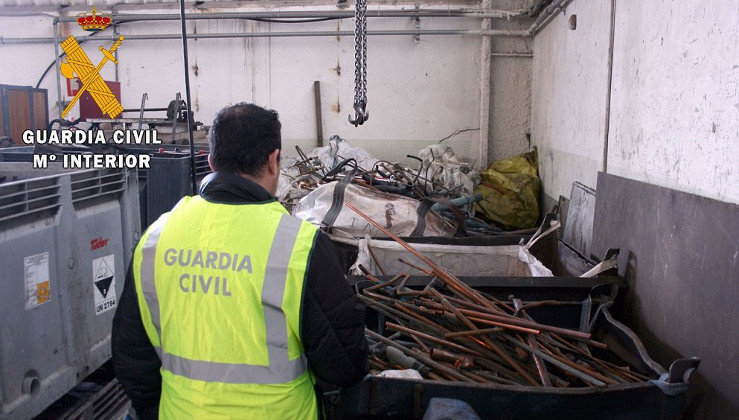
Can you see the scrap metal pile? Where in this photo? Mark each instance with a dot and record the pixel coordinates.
(452, 332)
(434, 199)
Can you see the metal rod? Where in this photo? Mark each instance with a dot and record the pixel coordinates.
(506, 326)
(457, 347)
(401, 32)
(115, 33)
(531, 340)
(449, 279)
(375, 259)
(473, 332)
(55, 40)
(421, 269)
(476, 13)
(187, 95)
(495, 347)
(319, 117)
(418, 355)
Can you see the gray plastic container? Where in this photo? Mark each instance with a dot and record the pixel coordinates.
(66, 239)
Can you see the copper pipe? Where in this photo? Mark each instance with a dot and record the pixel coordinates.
(396, 327)
(565, 367)
(383, 365)
(374, 258)
(582, 369)
(421, 269)
(420, 318)
(497, 349)
(375, 365)
(435, 377)
(496, 379)
(379, 297)
(590, 342)
(524, 323)
(473, 306)
(499, 302)
(383, 284)
(427, 311)
(369, 277)
(476, 378)
(420, 343)
(508, 320)
(445, 276)
(587, 358)
(390, 312)
(401, 290)
(506, 326)
(363, 269)
(478, 332)
(418, 356)
(531, 339)
(459, 360)
(540, 367)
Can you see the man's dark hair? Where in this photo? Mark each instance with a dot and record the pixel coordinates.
(242, 137)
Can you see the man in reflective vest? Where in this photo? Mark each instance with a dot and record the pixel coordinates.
(233, 308)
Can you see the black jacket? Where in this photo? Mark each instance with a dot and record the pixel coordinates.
(332, 323)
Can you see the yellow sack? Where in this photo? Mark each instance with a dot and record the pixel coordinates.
(510, 191)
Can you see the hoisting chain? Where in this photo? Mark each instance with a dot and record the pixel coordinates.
(360, 64)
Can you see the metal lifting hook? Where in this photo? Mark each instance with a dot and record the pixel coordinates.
(361, 115)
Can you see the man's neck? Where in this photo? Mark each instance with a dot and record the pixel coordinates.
(262, 181)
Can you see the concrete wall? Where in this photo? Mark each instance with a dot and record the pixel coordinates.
(420, 90)
(674, 122)
(510, 81)
(674, 117)
(570, 81)
(675, 103)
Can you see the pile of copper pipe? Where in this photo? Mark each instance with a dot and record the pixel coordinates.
(457, 334)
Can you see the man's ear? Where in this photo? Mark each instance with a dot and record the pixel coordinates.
(210, 163)
(274, 162)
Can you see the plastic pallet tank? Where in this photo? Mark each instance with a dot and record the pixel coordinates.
(66, 239)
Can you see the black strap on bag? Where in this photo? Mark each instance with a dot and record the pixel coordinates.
(425, 208)
(422, 211)
(338, 201)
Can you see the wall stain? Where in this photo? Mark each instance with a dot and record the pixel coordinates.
(336, 107)
(195, 69)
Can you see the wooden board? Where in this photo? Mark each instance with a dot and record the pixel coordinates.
(679, 254)
(19, 115)
(40, 110)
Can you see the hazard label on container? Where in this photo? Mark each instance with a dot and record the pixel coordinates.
(36, 278)
(103, 278)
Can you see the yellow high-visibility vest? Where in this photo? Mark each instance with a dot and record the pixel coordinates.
(219, 288)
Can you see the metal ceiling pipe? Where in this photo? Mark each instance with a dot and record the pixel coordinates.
(478, 13)
(536, 8)
(422, 32)
(55, 40)
(547, 15)
(188, 105)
